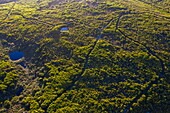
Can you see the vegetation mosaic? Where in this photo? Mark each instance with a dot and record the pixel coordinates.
(85, 56)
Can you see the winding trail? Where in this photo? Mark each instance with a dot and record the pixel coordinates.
(9, 11)
(162, 72)
(78, 76)
(38, 20)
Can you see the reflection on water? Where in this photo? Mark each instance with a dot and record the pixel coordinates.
(64, 29)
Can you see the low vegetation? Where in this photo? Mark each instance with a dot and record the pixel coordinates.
(114, 58)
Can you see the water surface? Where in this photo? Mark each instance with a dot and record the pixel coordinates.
(64, 29)
(16, 55)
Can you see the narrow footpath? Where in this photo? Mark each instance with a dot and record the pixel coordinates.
(78, 76)
(153, 53)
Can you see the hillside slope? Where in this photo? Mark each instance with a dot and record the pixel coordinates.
(113, 56)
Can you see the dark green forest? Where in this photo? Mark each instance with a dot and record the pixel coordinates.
(112, 57)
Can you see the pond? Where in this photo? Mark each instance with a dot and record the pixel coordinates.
(64, 29)
(14, 56)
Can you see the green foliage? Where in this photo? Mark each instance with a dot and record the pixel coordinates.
(7, 79)
(112, 57)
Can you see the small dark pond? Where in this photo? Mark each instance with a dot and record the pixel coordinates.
(16, 56)
(64, 29)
